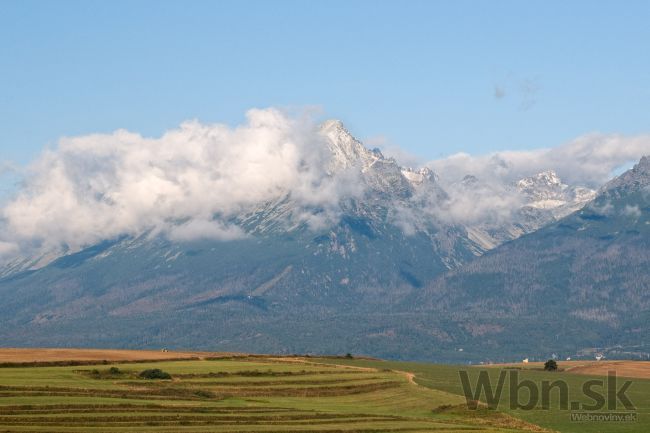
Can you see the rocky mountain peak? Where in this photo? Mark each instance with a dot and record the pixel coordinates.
(643, 166)
(346, 150)
(420, 176)
(545, 179)
(634, 179)
(545, 190)
(469, 180)
(543, 186)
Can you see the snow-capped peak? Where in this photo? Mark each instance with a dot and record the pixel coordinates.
(346, 150)
(546, 190)
(418, 177)
(545, 179)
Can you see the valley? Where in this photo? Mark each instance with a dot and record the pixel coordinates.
(243, 393)
(71, 390)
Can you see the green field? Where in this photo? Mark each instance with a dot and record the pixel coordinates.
(246, 394)
(446, 378)
(269, 394)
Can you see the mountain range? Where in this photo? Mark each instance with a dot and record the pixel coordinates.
(391, 271)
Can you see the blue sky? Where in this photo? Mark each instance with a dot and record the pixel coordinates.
(434, 78)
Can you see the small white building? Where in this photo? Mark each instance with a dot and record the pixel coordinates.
(525, 361)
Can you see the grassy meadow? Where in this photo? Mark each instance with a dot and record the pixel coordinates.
(278, 394)
(446, 378)
(243, 394)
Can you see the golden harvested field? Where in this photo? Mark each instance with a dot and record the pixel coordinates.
(635, 369)
(24, 355)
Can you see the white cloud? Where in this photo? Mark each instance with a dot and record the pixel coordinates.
(588, 160)
(632, 211)
(100, 186)
(206, 229)
(487, 203)
(7, 249)
(192, 180)
(605, 208)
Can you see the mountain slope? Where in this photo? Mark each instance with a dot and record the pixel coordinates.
(580, 282)
(348, 278)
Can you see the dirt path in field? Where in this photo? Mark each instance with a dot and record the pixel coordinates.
(325, 364)
(410, 377)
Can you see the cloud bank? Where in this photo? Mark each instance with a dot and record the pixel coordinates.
(101, 186)
(589, 160)
(190, 182)
(481, 187)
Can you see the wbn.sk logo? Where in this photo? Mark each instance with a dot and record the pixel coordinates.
(602, 393)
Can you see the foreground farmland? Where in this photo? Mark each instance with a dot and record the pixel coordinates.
(103, 391)
(577, 373)
(235, 394)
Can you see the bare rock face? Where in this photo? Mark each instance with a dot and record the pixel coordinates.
(547, 191)
(637, 178)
